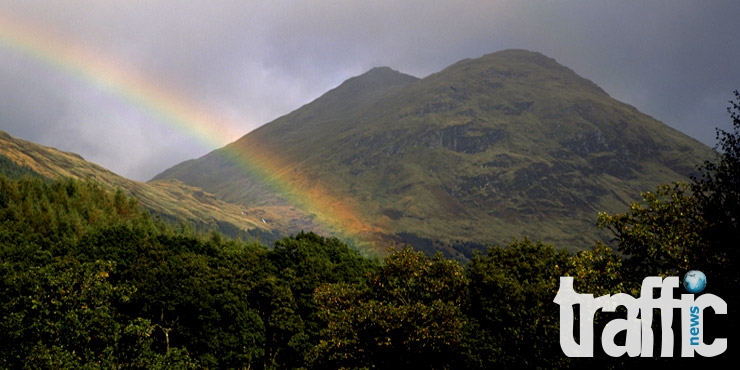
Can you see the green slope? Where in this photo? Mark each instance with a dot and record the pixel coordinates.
(508, 145)
(170, 199)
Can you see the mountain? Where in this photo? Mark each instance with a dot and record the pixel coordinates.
(507, 145)
(170, 199)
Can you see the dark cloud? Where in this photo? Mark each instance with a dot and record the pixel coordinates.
(254, 61)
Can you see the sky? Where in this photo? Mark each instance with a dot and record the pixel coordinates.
(139, 86)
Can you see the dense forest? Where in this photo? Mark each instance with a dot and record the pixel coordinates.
(90, 280)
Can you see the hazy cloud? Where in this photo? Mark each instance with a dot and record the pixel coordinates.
(253, 61)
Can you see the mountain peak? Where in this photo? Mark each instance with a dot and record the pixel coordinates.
(519, 53)
(506, 145)
(382, 71)
(375, 78)
(516, 56)
(529, 69)
(349, 96)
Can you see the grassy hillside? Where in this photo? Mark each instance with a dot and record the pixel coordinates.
(508, 145)
(170, 199)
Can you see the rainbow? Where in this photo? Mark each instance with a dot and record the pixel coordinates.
(167, 105)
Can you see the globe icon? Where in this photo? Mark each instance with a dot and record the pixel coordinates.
(694, 281)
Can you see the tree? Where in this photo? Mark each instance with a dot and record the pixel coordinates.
(718, 187)
(660, 236)
(717, 191)
(718, 196)
(63, 315)
(408, 315)
(303, 263)
(197, 294)
(513, 319)
(683, 227)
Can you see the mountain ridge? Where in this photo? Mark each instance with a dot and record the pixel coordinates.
(507, 145)
(170, 198)
(489, 149)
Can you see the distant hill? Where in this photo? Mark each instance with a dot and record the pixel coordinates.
(169, 199)
(508, 145)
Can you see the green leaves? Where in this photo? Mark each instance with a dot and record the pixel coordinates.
(63, 308)
(409, 314)
(599, 271)
(661, 234)
(303, 263)
(89, 280)
(513, 318)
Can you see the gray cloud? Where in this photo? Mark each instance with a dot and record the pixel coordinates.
(254, 61)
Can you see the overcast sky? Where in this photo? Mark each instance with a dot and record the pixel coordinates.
(253, 61)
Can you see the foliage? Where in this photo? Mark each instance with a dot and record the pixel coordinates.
(65, 303)
(661, 235)
(717, 191)
(718, 188)
(10, 169)
(599, 271)
(172, 200)
(682, 227)
(303, 263)
(88, 279)
(514, 322)
(408, 315)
